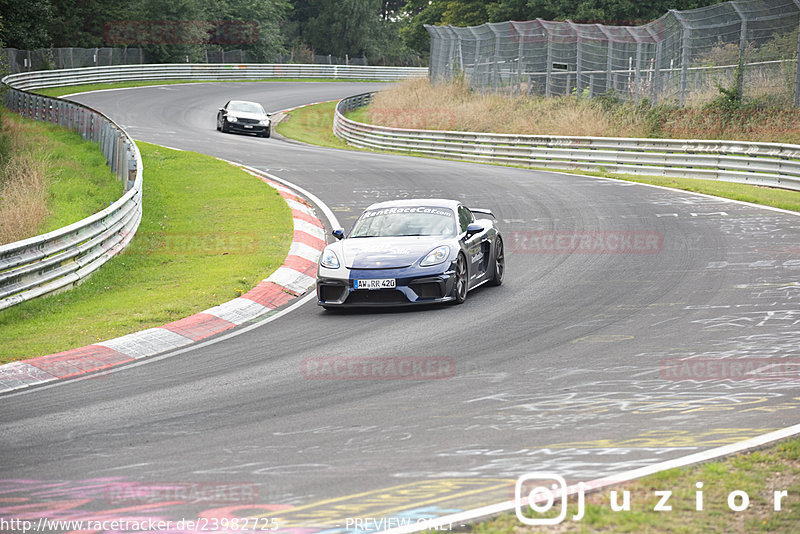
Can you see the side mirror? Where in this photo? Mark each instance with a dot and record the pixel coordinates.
(473, 229)
(338, 233)
(221, 109)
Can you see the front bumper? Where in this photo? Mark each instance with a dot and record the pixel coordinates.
(429, 287)
(247, 128)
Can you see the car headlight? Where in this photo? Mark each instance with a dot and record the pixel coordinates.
(436, 256)
(264, 122)
(231, 118)
(329, 259)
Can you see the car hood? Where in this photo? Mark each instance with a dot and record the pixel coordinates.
(386, 252)
(243, 115)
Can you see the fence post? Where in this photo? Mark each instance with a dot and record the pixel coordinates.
(797, 72)
(637, 79)
(520, 51)
(655, 71)
(450, 54)
(548, 80)
(476, 65)
(496, 60)
(742, 46)
(687, 34)
(578, 59)
(610, 47)
(460, 55)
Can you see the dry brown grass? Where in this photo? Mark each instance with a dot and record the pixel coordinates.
(418, 104)
(453, 106)
(24, 187)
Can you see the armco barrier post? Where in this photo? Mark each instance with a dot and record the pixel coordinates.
(131, 171)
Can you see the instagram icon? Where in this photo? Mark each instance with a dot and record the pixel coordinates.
(537, 492)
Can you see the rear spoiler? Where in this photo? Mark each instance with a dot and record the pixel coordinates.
(483, 212)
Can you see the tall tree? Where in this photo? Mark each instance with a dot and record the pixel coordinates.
(344, 27)
(615, 12)
(266, 15)
(418, 13)
(82, 23)
(503, 10)
(25, 24)
(179, 43)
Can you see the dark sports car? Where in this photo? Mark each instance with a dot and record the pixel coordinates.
(411, 252)
(243, 116)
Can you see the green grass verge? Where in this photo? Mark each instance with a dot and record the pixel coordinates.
(312, 124)
(70, 89)
(767, 196)
(209, 233)
(759, 474)
(81, 182)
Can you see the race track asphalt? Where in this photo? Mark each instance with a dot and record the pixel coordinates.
(567, 367)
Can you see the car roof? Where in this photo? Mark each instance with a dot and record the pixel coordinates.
(242, 102)
(432, 202)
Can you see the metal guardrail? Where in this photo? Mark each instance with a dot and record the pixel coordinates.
(768, 164)
(65, 257)
(208, 72)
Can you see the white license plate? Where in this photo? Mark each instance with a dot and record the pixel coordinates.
(377, 283)
(248, 125)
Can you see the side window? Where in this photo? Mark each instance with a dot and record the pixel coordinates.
(464, 218)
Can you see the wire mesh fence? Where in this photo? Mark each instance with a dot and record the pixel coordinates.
(72, 58)
(69, 58)
(684, 57)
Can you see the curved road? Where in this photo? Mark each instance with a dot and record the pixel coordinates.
(564, 368)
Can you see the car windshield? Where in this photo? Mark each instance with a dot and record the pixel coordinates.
(405, 221)
(246, 107)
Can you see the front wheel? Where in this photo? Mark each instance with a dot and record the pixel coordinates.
(462, 280)
(266, 133)
(499, 263)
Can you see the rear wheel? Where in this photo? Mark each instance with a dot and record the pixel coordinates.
(499, 263)
(462, 279)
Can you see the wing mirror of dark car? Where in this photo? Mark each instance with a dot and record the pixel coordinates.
(338, 233)
(473, 229)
